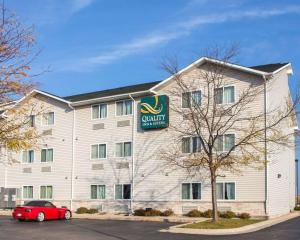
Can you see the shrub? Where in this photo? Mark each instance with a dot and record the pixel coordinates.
(82, 210)
(208, 213)
(92, 211)
(194, 213)
(243, 215)
(153, 212)
(227, 214)
(167, 213)
(139, 212)
(297, 208)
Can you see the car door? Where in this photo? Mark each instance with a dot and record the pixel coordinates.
(51, 211)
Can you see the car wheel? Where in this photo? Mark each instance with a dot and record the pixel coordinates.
(21, 220)
(40, 217)
(67, 215)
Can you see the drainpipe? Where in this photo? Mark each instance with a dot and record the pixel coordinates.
(133, 153)
(5, 166)
(297, 182)
(73, 158)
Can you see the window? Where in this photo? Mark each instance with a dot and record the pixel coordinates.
(48, 119)
(191, 191)
(124, 107)
(191, 144)
(225, 142)
(98, 151)
(123, 149)
(31, 121)
(191, 98)
(47, 155)
(46, 192)
(97, 191)
(224, 95)
(28, 156)
(226, 191)
(27, 192)
(123, 191)
(99, 111)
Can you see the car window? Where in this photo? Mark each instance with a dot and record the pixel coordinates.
(48, 204)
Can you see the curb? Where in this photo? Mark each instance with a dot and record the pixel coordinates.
(233, 231)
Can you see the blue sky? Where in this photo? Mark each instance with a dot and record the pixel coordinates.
(91, 45)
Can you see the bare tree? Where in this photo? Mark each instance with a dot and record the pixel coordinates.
(16, 56)
(210, 118)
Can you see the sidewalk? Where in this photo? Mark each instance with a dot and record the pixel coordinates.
(246, 229)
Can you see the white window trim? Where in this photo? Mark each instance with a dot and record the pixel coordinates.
(125, 115)
(191, 145)
(39, 192)
(234, 90)
(98, 104)
(191, 192)
(22, 192)
(124, 157)
(228, 133)
(46, 155)
(42, 119)
(26, 163)
(227, 200)
(97, 159)
(196, 90)
(122, 199)
(97, 199)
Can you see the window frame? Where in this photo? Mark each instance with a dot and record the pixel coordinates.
(99, 104)
(191, 145)
(234, 94)
(223, 148)
(23, 198)
(27, 156)
(96, 159)
(224, 183)
(190, 98)
(123, 149)
(97, 195)
(123, 101)
(191, 191)
(43, 119)
(122, 199)
(47, 162)
(46, 185)
(32, 121)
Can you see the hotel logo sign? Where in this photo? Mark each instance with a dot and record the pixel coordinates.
(155, 112)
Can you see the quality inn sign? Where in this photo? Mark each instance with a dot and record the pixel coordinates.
(155, 112)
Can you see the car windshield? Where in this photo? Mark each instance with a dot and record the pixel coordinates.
(38, 204)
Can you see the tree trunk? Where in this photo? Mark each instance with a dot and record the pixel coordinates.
(214, 197)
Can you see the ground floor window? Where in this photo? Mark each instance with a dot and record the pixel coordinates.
(27, 192)
(226, 191)
(97, 191)
(46, 192)
(123, 191)
(191, 191)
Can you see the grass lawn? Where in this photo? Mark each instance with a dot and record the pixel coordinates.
(222, 224)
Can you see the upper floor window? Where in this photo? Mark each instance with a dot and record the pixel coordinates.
(226, 191)
(124, 107)
(97, 191)
(123, 191)
(47, 155)
(191, 144)
(225, 142)
(123, 149)
(98, 151)
(31, 121)
(46, 192)
(27, 192)
(224, 95)
(28, 156)
(191, 191)
(191, 98)
(48, 119)
(99, 111)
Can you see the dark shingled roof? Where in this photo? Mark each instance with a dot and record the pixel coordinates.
(269, 68)
(111, 92)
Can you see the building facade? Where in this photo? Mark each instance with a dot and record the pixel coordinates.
(96, 154)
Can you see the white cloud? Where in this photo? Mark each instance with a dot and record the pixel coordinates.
(78, 5)
(178, 30)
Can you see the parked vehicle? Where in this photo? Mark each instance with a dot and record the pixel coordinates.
(40, 211)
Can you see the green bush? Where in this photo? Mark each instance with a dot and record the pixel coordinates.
(139, 212)
(167, 213)
(228, 214)
(194, 213)
(243, 215)
(208, 213)
(82, 210)
(92, 211)
(152, 213)
(297, 208)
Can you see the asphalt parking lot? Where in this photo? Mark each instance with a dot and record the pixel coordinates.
(126, 230)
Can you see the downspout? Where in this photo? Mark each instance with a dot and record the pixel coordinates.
(5, 166)
(265, 147)
(73, 158)
(297, 182)
(133, 154)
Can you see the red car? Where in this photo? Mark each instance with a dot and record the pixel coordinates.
(40, 211)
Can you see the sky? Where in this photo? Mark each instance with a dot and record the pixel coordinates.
(89, 45)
